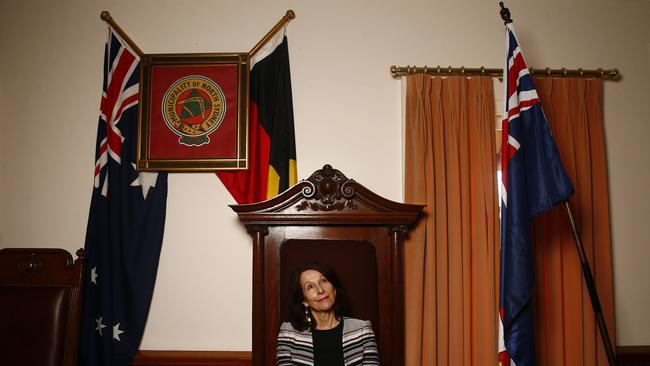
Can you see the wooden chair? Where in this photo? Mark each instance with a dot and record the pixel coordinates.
(338, 222)
(40, 298)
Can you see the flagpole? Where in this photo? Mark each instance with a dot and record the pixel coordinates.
(591, 286)
(106, 16)
(285, 19)
(586, 270)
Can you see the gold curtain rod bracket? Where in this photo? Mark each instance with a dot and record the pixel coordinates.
(106, 17)
(399, 71)
(288, 16)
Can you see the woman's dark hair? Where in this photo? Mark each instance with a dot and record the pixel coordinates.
(295, 308)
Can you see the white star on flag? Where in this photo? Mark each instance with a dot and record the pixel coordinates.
(146, 180)
(93, 275)
(117, 332)
(100, 326)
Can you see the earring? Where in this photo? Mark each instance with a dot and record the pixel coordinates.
(307, 316)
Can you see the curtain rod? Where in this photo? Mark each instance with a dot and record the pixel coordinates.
(399, 71)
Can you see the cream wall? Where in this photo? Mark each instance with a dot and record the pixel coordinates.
(347, 113)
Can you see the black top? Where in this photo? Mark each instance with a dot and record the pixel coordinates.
(328, 346)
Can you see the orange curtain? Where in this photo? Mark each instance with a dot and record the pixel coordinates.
(565, 327)
(451, 256)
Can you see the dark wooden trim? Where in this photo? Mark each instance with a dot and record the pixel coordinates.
(625, 356)
(259, 232)
(192, 358)
(36, 268)
(633, 356)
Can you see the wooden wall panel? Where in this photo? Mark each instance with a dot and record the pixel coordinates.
(625, 356)
(192, 358)
(633, 356)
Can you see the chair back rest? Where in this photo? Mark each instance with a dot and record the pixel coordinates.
(338, 222)
(40, 298)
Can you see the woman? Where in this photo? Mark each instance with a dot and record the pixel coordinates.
(317, 333)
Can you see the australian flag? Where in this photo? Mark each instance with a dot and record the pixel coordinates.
(125, 224)
(533, 181)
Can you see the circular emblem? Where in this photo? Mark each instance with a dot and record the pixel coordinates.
(194, 107)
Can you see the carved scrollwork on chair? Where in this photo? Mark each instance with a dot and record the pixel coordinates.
(399, 229)
(29, 265)
(330, 189)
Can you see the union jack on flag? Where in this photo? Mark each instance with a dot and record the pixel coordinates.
(532, 181)
(119, 93)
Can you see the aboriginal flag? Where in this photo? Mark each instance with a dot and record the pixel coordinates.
(271, 142)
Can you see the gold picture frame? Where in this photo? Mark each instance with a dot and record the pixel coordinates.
(193, 112)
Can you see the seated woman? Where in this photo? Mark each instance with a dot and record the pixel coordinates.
(317, 332)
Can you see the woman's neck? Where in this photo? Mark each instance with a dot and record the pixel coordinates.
(325, 320)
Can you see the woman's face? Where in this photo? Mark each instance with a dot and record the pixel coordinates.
(318, 293)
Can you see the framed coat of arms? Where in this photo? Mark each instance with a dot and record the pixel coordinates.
(193, 112)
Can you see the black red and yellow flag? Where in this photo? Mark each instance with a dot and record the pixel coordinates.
(272, 144)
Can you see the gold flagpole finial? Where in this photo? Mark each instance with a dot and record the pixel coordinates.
(106, 16)
(289, 15)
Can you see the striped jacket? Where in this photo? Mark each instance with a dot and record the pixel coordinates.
(295, 348)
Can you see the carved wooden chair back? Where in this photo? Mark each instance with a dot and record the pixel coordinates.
(335, 220)
(40, 297)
